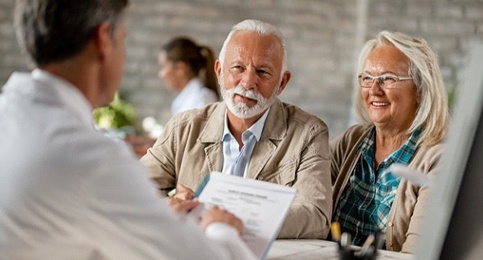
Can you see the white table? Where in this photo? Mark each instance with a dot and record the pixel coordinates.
(316, 249)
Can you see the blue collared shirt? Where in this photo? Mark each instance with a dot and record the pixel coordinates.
(231, 150)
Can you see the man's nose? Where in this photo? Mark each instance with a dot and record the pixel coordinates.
(249, 78)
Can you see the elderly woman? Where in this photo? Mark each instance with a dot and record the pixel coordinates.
(402, 101)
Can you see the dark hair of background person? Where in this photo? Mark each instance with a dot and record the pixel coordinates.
(53, 30)
(198, 58)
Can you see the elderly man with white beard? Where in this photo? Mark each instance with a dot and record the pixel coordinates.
(251, 134)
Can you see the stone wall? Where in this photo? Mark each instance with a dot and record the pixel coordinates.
(323, 38)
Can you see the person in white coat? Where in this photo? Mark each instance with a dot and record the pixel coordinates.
(66, 190)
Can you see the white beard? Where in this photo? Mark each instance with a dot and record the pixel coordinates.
(240, 109)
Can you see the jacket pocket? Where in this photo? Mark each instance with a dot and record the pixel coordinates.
(283, 174)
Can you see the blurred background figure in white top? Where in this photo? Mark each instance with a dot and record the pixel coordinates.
(188, 68)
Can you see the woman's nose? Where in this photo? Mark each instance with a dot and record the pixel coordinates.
(376, 88)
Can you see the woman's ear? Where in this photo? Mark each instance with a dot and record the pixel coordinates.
(181, 68)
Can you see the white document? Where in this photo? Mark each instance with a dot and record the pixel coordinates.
(262, 206)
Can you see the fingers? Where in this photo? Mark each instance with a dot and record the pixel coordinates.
(181, 206)
(183, 192)
(216, 214)
(181, 202)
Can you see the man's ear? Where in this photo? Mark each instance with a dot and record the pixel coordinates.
(285, 79)
(103, 39)
(218, 70)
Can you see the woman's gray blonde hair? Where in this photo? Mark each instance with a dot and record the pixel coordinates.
(432, 114)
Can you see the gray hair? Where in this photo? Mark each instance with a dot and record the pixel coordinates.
(52, 30)
(260, 27)
(432, 114)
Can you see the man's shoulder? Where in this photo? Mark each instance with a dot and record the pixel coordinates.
(194, 116)
(300, 116)
(194, 121)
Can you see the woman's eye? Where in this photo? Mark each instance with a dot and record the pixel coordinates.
(387, 79)
(367, 79)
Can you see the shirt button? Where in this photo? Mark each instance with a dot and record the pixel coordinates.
(390, 224)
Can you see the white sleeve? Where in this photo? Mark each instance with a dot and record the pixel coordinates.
(228, 237)
(130, 220)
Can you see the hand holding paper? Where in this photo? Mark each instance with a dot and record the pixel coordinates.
(262, 206)
(215, 214)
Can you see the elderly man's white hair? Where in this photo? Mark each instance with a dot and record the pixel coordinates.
(260, 27)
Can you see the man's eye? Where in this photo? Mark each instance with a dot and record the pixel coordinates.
(236, 68)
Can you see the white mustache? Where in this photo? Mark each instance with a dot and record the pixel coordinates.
(248, 93)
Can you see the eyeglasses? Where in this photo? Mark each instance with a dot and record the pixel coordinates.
(385, 81)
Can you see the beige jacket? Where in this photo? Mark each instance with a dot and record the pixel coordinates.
(293, 150)
(407, 211)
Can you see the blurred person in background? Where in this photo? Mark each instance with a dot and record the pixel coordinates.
(188, 69)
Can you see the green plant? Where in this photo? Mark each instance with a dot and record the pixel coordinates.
(116, 115)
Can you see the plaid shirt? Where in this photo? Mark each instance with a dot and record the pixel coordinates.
(366, 201)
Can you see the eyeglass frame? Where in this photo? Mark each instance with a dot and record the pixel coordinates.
(380, 80)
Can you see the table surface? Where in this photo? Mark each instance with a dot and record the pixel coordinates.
(316, 249)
